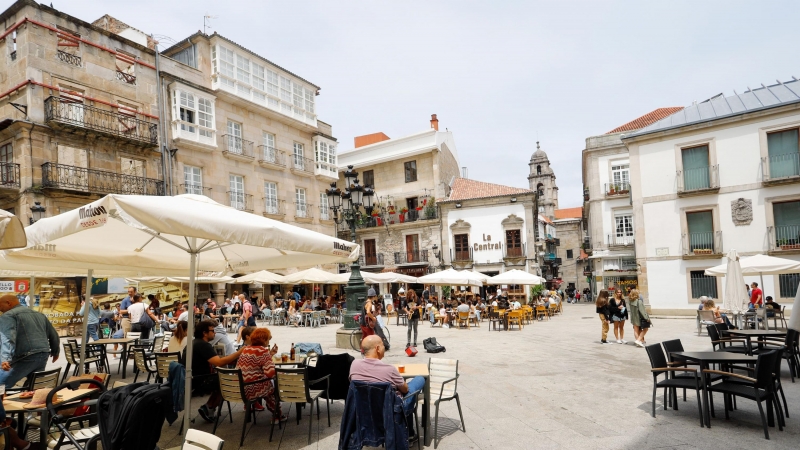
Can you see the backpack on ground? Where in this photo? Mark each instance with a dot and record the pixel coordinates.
(431, 346)
(131, 417)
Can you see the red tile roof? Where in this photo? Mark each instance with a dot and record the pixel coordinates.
(465, 189)
(569, 213)
(647, 119)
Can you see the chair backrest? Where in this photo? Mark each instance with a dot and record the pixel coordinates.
(657, 358)
(441, 370)
(766, 366)
(158, 343)
(231, 384)
(541, 308)
(674, 345)
(163, 359)
(291, 385)
(140, 359)
(463, 315)
(44, 379)
(68, 353)
(200, 440)
(134, 335)
(706, 316)
(713, 332)
(267, 312)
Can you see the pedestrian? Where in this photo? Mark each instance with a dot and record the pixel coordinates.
(756, 297)
(123, 310)
(92, 318)
(27, 340)
(604, 312)
(373, 310)
(639, 318)
(619, 314)
(142, 320)
(412, 312)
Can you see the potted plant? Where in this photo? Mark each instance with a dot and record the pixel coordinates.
(612, 189)
(403, 212)
(376, 215)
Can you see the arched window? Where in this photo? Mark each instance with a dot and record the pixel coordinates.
(540, 189)
(538, 169)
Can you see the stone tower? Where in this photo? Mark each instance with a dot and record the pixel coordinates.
(543, 180)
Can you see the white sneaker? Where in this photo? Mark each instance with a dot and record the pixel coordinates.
(639, 344)
(623, 341)
(619, 341)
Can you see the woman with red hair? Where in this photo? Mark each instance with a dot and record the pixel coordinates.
(258, 372)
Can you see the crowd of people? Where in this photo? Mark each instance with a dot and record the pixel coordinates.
(616, 309)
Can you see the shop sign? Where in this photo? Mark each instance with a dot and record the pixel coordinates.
(6, 286)
(488, 244)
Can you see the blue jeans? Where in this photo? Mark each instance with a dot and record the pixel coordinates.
(414, 384)
(22, 368)
(91, 330)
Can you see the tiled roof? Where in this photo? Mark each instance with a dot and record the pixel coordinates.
(647, 119)
(465, 189)
(569, 213)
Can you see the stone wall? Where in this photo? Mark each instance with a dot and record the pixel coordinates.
(571, 238)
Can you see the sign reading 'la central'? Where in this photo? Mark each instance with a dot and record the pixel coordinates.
(489, 245)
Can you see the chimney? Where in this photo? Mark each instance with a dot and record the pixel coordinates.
(434, 122)
(464, 173)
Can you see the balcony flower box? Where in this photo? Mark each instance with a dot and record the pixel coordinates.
(790, 246)
(702, 251)
(623, 192)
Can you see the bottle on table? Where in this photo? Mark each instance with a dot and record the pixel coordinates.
(291, 352)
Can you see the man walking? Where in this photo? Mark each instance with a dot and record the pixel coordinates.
(123, 310)
(28, 339)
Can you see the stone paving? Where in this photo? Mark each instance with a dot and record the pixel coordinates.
(551, 385)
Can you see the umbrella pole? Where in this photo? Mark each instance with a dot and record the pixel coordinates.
(85, 324)
(187, 399)
(31, 293)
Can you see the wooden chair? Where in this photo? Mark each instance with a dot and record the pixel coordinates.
(163, 360)
(463, 319)
(199, 440)
(443, 388)
(515, 317)
(495, 320)
(231, 387)
(141, 361)
(553, 309)
(474, 319)
(541, 311)
(292, 386)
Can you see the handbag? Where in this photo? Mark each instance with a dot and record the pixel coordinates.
(645, 324)
(146, 321)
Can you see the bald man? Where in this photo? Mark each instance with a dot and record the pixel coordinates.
(28, 339)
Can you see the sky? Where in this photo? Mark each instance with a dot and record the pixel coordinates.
(500, 75)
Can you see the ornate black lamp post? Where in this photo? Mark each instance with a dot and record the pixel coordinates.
(346, 206)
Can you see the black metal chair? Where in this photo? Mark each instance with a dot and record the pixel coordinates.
(760, 389)
(728, 344)
(790, 350)
(142, 362)
(660, 366)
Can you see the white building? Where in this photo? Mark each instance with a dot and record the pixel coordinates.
(718, 175)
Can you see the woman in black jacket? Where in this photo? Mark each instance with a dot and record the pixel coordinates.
(604, 312)
(619, 314)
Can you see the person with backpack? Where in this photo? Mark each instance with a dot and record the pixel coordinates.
(142, 319)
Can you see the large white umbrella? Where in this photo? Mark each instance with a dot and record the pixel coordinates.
(376, 278)
(759, 265)
(263, 277)
(515, 276)
(12, 233)
(201, 280)
(311, 276)
(794, 319)
(452, 277)
(173, 234)
(735, 297)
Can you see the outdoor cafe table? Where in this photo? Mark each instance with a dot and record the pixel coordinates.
(226, 318)
(705, 359)
(125, 342)
(421, 370)
(758, 334)
(15, 405)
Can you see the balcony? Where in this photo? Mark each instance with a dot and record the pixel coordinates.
(628, 265)
(702, 245)
(549, 257)
(60, 111)
(234, 147)
(191, 134)
(302, 166)
(411, 257)
(270, 157)
(619, 241)
(325, 213)
(302, 212)
(784, 238)
(326, 170)
(93, 181)
(375, 260)
(781, 169)
(461, 256)
(69, 58)
(127, 78)
(9, 175)
(274, 208)
(240, 201)
(196, 189)
(699, 181)
(617, 189)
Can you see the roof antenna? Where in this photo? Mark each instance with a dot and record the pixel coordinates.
(207, 22)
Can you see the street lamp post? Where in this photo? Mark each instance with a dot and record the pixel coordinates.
(346, 206)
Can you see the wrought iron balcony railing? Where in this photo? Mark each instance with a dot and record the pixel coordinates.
(126, 77)
(614, 239)
(270, 155)
(622, 188)
(699, 179)
(461, 255)
(325, 213)
(784, 237)
(549, 257)
(240, 201)
(81, 179)
(702, 243)
(411, 257)
(69, 58)
(196, 189)
(9, 175)
(236, 147)
(274, 207)
(304, 166)
(781, 167)
(303, 210)
(63, 111)
(371, 260)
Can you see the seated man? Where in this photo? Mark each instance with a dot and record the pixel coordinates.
(771, 307)
(516, 305)
(221, 337)
(204, 359)
(372, 370)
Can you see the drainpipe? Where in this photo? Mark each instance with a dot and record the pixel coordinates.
(166, 172)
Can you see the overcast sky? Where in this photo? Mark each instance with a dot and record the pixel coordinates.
(500, 74)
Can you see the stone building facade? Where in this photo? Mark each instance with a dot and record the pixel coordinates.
(569, 224)
(542, 180)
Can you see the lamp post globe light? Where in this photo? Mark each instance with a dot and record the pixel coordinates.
(351, 206)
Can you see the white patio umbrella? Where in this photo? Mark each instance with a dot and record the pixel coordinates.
(515, 276)
(201, 280)
(759, 265)
(452, 277)
(794, 319)
(173, 234)
(735, 297)
(311, 276)
(373, 278)
(12, 233)
(263, 277)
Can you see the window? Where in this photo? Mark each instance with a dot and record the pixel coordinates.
(540, 190)
(411, 171)
(788, 283)
(187, 112)
(7, 172)
(703, 284)
(73, 105)
(269, 147)
(370, 253)
(299, 160)
(569, 254)
(205, 117)
(701, 231)
(272, 83)
(193, 180)
(271, 197)
(783, 153)
(623, 229)
(324, 212)
(235, 144)
(461, 246)
(237, 198)
(133, 182)
(325, 155)
(309, 97)
(126, 68)
(369, 178)
(258, 77)
(242, 69)
(226, 64)
(195, 115)
(286, 89)
(620, 176)
(787, 224)
(301, 209)
(538, 169)
(513, 243)
(187, 56)
(696, 173)
(412, 249)
(297, 97)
